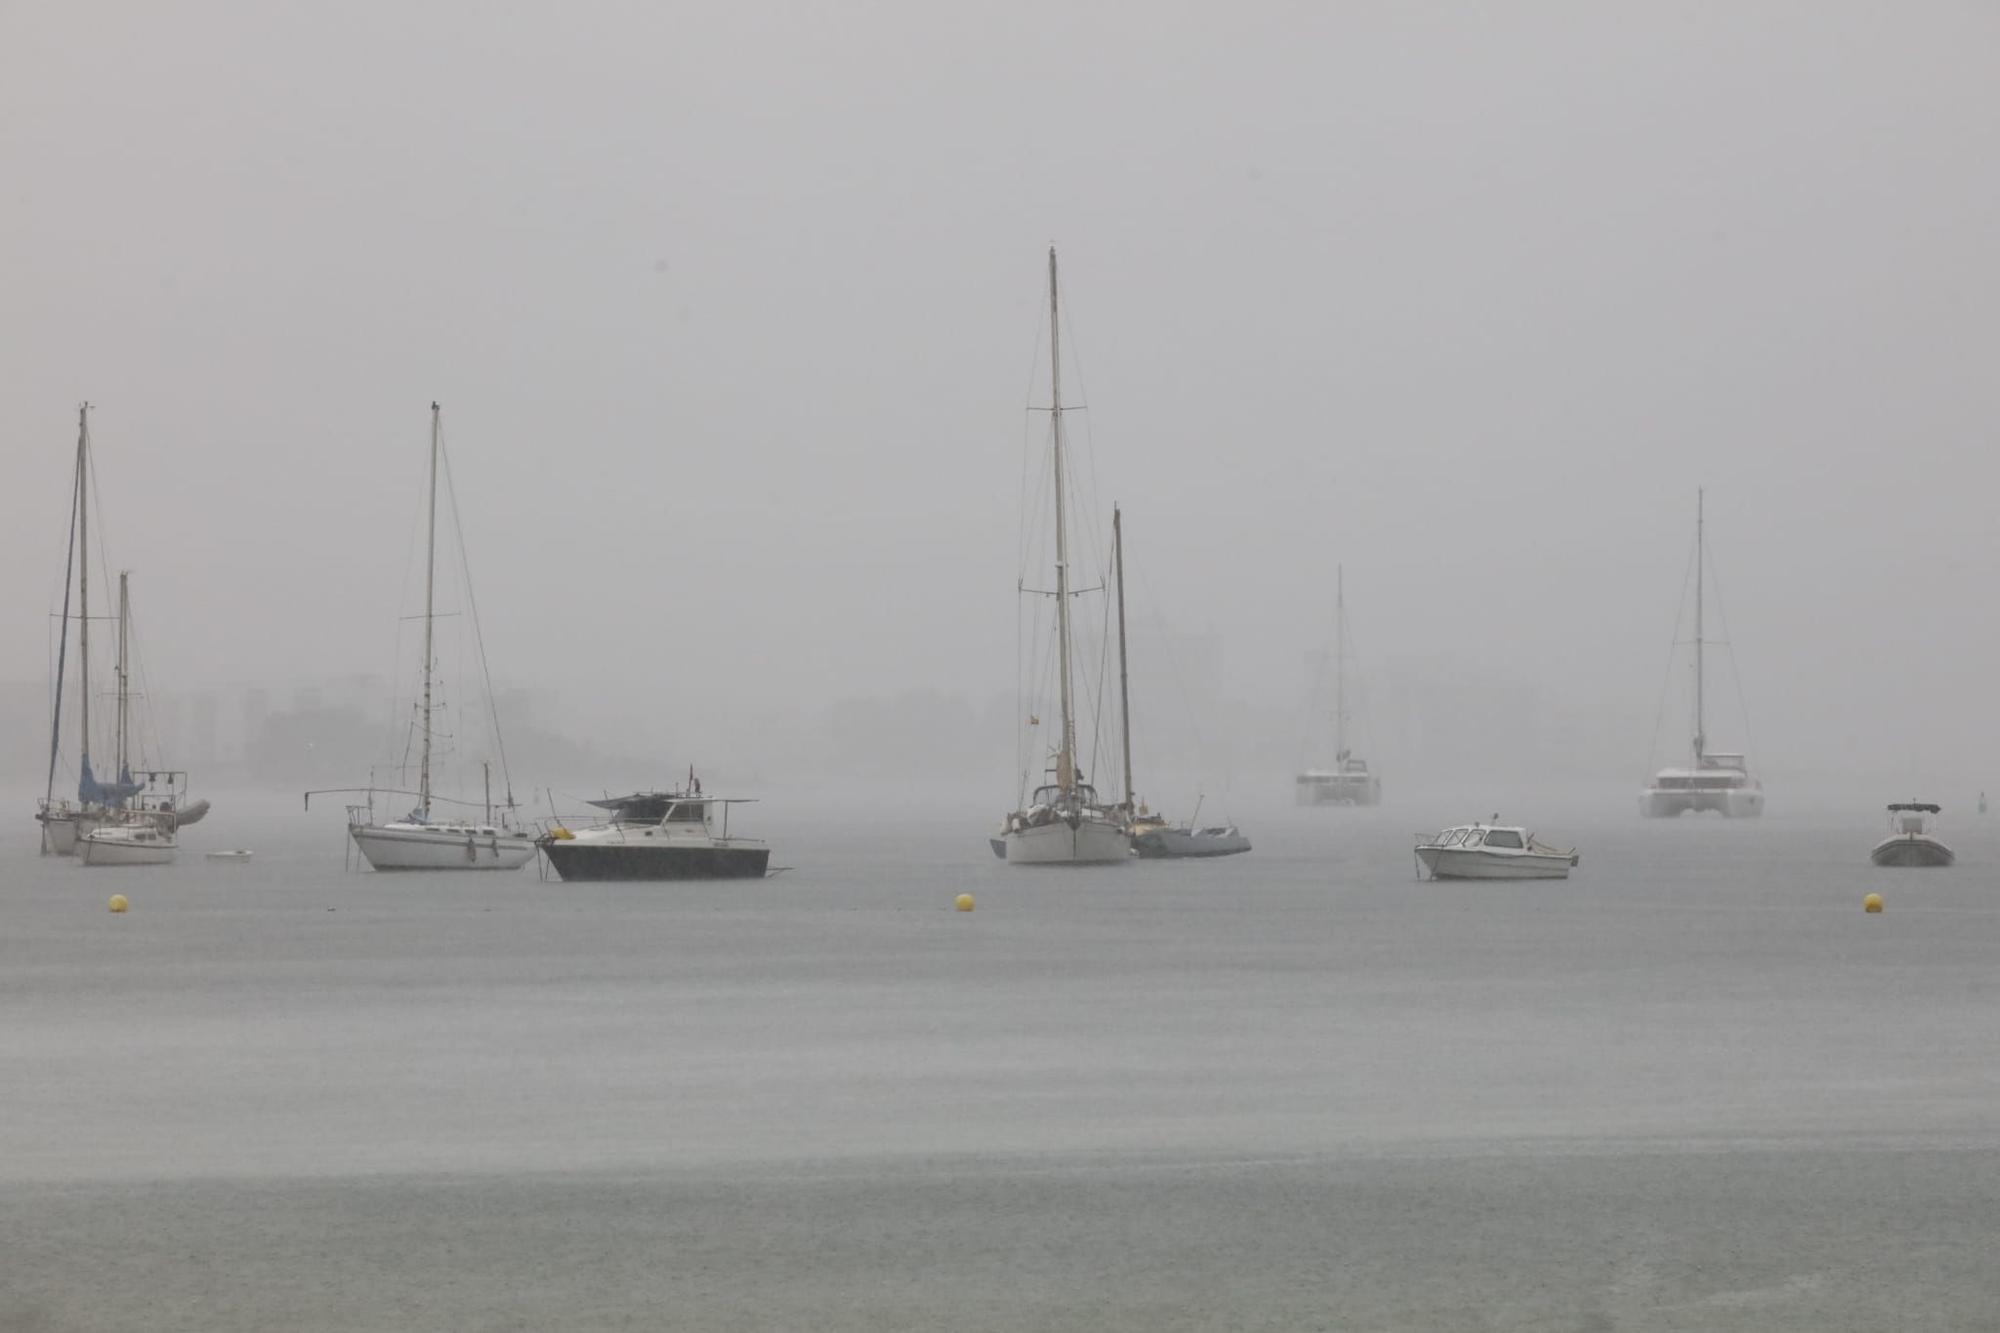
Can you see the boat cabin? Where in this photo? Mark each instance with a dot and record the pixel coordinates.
(1483, 835)
(1912, 818)
(1718, 772)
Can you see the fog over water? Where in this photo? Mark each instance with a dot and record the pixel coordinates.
(735, 314)
(738, 316)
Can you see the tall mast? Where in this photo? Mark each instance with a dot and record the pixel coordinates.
(1065, 757)
(1700, 542)
(1340, 667)
(1124, 685)
(83, 577)
(430, 622)
(63, 643)
(124, 673)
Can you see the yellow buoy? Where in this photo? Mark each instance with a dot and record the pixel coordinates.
(964, 902)
(118, 903)
(1872, 903)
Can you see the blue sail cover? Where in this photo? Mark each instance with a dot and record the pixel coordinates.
(92, 792)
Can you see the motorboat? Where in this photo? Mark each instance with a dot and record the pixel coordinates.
(1349, 781)
(425, 839)
(1167, 842)
(1717, 781)
(140, 842)
(1912, 840)
(657, 835)
(1491, 851)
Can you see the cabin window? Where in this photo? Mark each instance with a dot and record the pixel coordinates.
(1472, 837)
(1502, 837)
(1452, 837)
(686, 813)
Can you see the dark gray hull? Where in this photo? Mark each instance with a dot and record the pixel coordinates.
(573, 861)
(1178, 844)
(1907, 853)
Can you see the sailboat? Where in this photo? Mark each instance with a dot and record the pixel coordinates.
(1718, 780)
(142, 828)
(156, 799)
(421, 839)
(1349, 781)
(1065, 822)
(1153, 837)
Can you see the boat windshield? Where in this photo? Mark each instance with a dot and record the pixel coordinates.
(1087, 795)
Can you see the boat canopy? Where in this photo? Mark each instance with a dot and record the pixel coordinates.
(90, 791)
(1919, 807)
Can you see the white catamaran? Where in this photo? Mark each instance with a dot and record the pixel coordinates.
(1065, 822)
(1349, 781)
(1718, 780)
(422, 840)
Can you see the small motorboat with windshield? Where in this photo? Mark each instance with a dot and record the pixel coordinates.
(1491, 851)
(654, 835)
(1912, 840)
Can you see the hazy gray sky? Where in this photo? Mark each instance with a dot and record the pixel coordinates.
(733, 311)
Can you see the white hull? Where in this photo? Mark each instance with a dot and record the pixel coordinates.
(413, 848)
(59, 835)
(1339, 791)
(1911, 851)
(1091, 842)
(1736, 803)
(1479, 863)
(122, 852)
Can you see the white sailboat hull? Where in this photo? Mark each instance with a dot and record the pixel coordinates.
(1338, 789)
(411, 847)
(59, 834)
(105, 849)
(1056, 843)
(1736, 803)
(64, 831)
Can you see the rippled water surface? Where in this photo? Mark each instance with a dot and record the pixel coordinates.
(1691, 1087)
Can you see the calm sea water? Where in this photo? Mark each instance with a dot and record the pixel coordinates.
(1691, 1087)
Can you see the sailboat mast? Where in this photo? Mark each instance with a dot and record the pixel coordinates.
(83, 578)
(1340, 667)
(62, 643)
(1700, 554)
(430, 623)
(1066, 757)
(1124, 683)
(124, 673)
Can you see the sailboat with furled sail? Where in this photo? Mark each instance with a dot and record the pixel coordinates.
(155, 799)
(424, 839)
(1064, 822)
